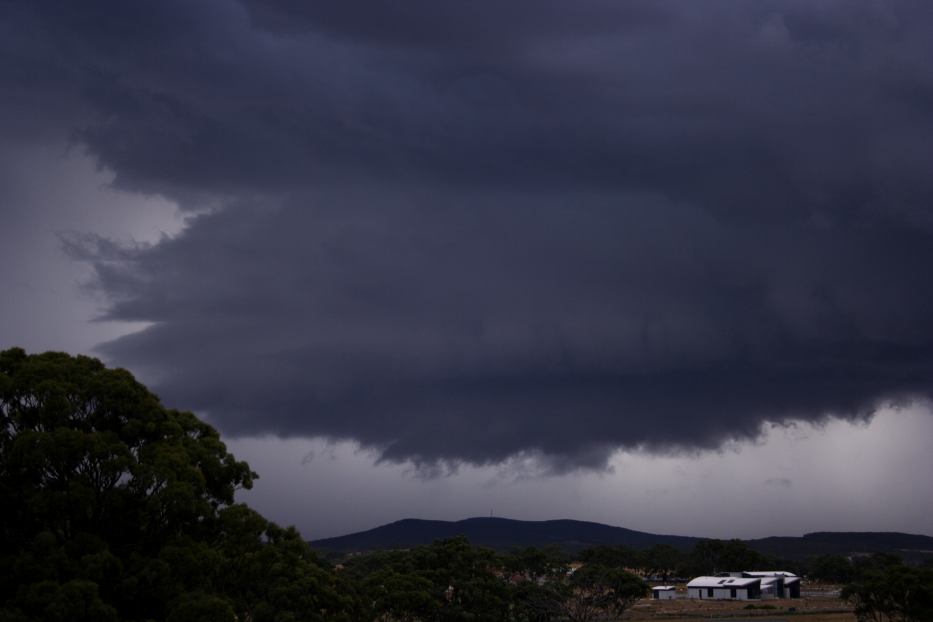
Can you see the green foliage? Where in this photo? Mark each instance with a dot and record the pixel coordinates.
(885, 590)
(451, 580)
(831, 569)
(199, 607)
(402, 597)
(117, 508)
(661, 560)
(538, 590)
(536, 565)
(76, 600)
(540, 602)
(601, 591)
(612, 556)
(447, 580)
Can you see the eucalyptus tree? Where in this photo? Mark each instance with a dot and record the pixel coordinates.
(118, 508)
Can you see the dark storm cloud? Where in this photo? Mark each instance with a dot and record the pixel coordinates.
(471, 30)
(456, 231)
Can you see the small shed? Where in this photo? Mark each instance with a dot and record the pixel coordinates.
(724, 588)
(664, 592)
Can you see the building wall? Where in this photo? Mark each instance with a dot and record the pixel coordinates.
(741, 593)
(733, 593)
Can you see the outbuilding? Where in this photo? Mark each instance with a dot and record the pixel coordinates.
(776, 583)
(664, 592)
(724, 588)
(772, 587)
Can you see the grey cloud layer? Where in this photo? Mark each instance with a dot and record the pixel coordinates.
(457, 232)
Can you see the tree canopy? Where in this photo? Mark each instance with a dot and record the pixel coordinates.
(885, 590)
(118, 508)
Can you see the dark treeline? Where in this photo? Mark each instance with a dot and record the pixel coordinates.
(452, 580)
(117, 508)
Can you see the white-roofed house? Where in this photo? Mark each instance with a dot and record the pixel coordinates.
(725, 588)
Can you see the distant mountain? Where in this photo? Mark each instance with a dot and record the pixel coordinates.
(573, 535)
(908, 546)
(499, 533)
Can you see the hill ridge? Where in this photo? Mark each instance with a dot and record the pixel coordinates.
(499, 533)
(572, 535)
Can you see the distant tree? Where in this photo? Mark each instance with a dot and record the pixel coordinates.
(891, 592)
(611, 556)
(401, 597)
(269, 572)
(831, 569)
(876, 561)
(541, 591)
(600, 591)
(535, 564)
(539, 602)
(447, 580)
(117, 508)
(360, 567)
(661, 560)
(713, 556)
(467, 578)
(201, 607)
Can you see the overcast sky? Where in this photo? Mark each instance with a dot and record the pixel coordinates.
(663, 265)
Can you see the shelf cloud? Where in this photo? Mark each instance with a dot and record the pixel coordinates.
(467, 231)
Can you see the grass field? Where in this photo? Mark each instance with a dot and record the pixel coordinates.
(817, 609)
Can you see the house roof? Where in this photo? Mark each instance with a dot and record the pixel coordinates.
(664, 588)
(767, 582)
(769, 573)
(723, 582)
